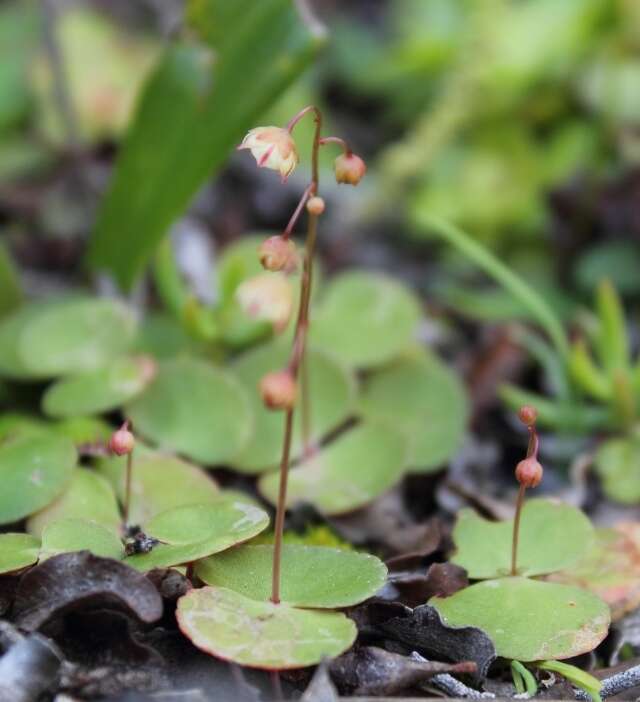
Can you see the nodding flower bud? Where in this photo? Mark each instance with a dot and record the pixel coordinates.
(349, 169)
(529, 472)
(277, 253)
(528, 415)
(279, 390)
(267, 297)
(272, 147)
(122, 441)
(315, 205)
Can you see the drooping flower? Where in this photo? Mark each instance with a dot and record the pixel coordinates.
(272, 147)
(349, 169)
(278, 254)
(267, 297)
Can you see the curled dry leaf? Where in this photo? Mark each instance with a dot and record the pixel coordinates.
(77, 580)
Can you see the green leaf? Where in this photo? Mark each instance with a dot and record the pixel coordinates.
(311, 576)
(193, 110)
(10, 290)
(159, 482)
(69, 535)
(34, 469)
(17, 551)
(261, 634)
(422, 398)
(528, 620)
(332, 390)
(617, 463)
(587, 375)
(366, 319)
(196, 409)
(552, 536)
(194, 531)
(360, 465)
(612, 340)
(88, 496)
(99, 391)
(580, 678)
(66, 335)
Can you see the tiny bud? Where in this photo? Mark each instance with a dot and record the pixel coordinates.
(529, 472)
(528, 415)
(315, 205)
(122, 441)
(277, 253)
(278, 390)
(349, 169)
(267, 297)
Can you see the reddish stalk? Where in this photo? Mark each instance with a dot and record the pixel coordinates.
(127, 491)
(298, 353)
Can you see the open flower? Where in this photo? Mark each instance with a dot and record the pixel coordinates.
(272, 147)
(267, 297)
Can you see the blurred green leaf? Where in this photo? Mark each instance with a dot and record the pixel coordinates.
(194, 108)
(10, 291)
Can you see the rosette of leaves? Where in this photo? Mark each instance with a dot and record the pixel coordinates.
(527, 619)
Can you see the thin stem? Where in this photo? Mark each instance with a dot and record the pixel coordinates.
(339, 141)
(516, 530)
(513, 284)
(127, 491)
(294, 217)
(298, 356)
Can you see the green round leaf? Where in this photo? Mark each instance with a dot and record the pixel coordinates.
(357, 467)
(69, 535)
(83, 430)
(34, 469)
(159, 482)
(101, 390)
(425, 400)
(192, 532)
(235, 628)
(528, 620)
(17, 551)
(46, 339)
(331, 390)
(89, 496)
(553, 536)
(195, 409)
(311, 576)
(610, 569)
(366, 319)
(617, 462)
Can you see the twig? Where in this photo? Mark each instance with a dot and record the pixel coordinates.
(617, 683)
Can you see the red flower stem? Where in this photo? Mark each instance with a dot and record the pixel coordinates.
(296, 214)
(297, 358)
(339, 141)
(532, 452)
(127, 489)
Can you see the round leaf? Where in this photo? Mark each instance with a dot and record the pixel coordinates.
(158, 482)
(34, 469)
(235, 628)
(192, 532)
(331, 391)
(528, 620)
(424, 399)
(610, 569)
(617, 462)
(311, 576)
(47, 339)
(89, 496)
(357, 467)
(101, 390)
(552, 536)
(69, 535)
(196, 409)
(366, 319)
(17, 551)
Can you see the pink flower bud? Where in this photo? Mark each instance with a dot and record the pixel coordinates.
(278, 390)
(122, 441)
(272, 147)
(315, 205)
(349, 169)
(267, 297)
(528, 415)
(529, 472)
(277, 254)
